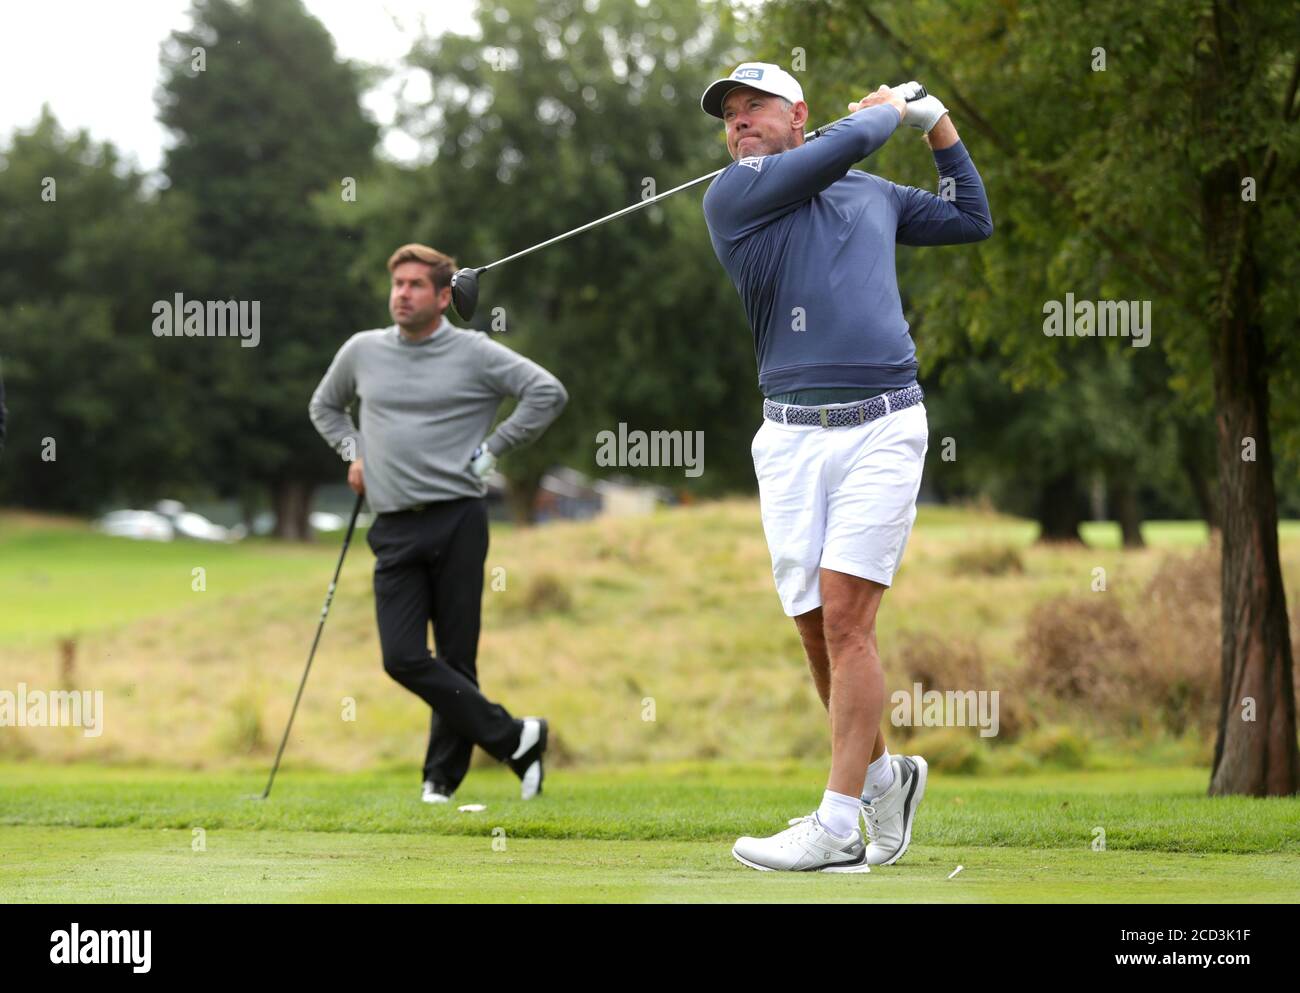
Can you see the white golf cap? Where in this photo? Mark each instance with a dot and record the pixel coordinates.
(757, 75)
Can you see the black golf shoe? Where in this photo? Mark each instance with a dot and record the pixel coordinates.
(436, 792)
(528, 765)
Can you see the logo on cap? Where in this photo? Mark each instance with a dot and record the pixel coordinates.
(761, 76)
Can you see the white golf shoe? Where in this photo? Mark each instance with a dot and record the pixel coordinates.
(806, 846)
(889, 817)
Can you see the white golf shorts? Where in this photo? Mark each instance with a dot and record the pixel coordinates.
(841, 498)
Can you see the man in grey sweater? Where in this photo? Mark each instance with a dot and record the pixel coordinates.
(429, 392)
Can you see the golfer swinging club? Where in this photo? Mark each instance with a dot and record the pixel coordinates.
(429, 392)
(809, 243)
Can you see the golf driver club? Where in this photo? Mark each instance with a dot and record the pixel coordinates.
(464, 283)
(324, 612)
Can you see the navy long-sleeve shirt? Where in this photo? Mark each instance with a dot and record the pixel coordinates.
(809, 243)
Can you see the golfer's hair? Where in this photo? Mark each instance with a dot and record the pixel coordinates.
(442, 266)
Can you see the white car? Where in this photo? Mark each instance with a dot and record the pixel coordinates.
(143, 525)
(191, 525)
(188, 524)
(323, 520)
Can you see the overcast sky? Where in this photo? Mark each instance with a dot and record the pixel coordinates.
(96, 62)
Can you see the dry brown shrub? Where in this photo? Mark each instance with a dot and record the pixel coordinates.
(1176, 673)
(1073, 646)
(1151, 664)
(547, 594)
(987, 560)
(940, 664)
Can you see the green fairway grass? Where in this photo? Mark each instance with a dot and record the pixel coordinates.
(654, 833)
(136, 865)
(73, 581)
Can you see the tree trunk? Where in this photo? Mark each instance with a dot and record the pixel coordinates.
(1125, 508)
(1190, 461)
(291, 499)
(1059, 514)
(1255, 752)
(521, 495)
(247, 508)
(1257, 756)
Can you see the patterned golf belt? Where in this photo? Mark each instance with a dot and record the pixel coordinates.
(844, 415)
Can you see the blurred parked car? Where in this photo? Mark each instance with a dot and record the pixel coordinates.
(168, 520)
(188, 524)
(144, 525)
(191, 525)
(323, 520)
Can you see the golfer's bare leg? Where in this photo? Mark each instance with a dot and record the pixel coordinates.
(857, 684)
(813, 636)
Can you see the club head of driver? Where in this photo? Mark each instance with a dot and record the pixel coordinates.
(464, 293)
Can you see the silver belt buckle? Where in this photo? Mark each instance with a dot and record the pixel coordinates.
(822, 412)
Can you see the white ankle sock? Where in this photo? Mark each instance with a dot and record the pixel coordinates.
(880, 776)
(839, 813)
(528, 736)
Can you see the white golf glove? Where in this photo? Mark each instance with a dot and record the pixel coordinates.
(922, 114)
(906, 90)
(482, 462)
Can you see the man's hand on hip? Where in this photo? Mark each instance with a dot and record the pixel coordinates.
(482, 462)
(357, 477)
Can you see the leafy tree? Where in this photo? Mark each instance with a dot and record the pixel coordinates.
(559, 113)
(94, 417)
(1169, 175)
(1037, 451)
(266, 118)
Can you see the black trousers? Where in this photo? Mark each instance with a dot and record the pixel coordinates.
(429, 567)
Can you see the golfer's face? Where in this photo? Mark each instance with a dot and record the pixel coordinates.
(756, 123)
(413, 301)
